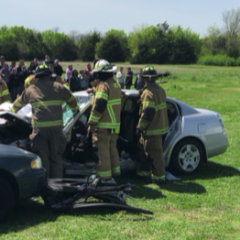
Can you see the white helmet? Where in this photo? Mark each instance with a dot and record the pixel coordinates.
(103, 66)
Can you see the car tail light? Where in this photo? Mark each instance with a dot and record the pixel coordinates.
(36, 163)
(220, 120)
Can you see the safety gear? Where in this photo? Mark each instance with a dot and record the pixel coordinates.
(46, 98)
(4, 92)
(108, 164)
(42, 70)
(149, 72)
(153, 111)
(106, 106)
(105, 117)
(103, 66)
(49, 62)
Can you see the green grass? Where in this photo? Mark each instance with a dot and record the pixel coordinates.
(203, 206)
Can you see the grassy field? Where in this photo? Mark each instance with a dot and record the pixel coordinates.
(203, 206)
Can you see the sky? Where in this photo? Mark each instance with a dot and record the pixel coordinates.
(103, 15)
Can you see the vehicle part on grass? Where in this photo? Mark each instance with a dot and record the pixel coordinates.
(6, 200)
(67, 194)
(187, 156)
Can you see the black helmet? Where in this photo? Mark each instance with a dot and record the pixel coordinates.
(49, 62)
(42, 71)
(149, 72)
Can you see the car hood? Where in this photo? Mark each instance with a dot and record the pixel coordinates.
(6, 150)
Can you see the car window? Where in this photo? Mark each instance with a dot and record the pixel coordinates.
(68, 114)
(84, 117)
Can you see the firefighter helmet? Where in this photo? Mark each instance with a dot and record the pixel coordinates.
(103, 66)
(43, 70)
(149, 72)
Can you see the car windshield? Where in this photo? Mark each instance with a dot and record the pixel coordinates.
(68, 114)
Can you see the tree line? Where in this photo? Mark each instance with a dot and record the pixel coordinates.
(159, 44)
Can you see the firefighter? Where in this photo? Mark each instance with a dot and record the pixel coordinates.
(104, 121)
(46, 97)
(4, 92)
(153, 123)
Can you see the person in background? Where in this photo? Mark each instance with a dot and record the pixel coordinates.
(12, 65)
(2, 61)
(22, 76)
(74, 82)
(5, 72)
(88, 69)
(129, 76)
(31, 68)
(47, 58)
(58, 68)
(84, 83)
(139, 83)
(68, 72)
(120, 77)
(35, 60)
(14, 84)
(20, 64)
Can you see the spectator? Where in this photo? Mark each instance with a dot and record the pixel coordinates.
(84, 83)
(68, 72)
(14, 84)
(58, 68)
(88, 69)
(47, 58)
(22, 76)
(13, 65)
(129, 76)
(20, 64)
(35, 60)
(139, 83)
(74, 82)
(31, 68)
(2, 61)
(5, 72)
(120, 77)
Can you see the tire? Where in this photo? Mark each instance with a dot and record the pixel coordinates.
(187, 157)
(6, 200)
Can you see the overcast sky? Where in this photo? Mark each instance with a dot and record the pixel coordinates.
(103, 15)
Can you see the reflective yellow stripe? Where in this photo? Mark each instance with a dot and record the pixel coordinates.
(156, 131)
(94, 118)
(70, 99)
(4, 93)
(144, 173)
(104, 173)
(158, 177)
(161, 106)
(47, 103)
(47, 123)
(108, 125)
(148, 104)
(116, 169)
(66, 86)
(101, 95)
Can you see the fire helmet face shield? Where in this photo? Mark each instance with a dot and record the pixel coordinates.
(103, 66)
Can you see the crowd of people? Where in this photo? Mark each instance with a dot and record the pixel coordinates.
(15, 75)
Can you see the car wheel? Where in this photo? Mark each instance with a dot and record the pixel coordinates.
(187, 156)
(6, 200)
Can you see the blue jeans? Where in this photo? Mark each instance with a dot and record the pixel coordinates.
(14, 93)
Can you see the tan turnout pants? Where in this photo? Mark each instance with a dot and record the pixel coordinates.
(49, 144)
(108, 164)
(151, 157)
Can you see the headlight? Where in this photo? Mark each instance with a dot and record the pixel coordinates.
(220, 120)
(36, 163)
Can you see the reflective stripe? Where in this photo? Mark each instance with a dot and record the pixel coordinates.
(66, 86)
(13, 109)
(101, 95)
(70, 99)
(148, 104)
(161, 106)
(144, 173)
(143, 124)
(104, 173)
(108, 125)
(27, 81)
(4, 93)
(156, 131)
(7, 101)
(47, 103)
(94, 118)
(47, 123)
(18, 104)
(116, 169)
(158, 177)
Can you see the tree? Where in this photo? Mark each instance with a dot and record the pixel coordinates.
(231, 20)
